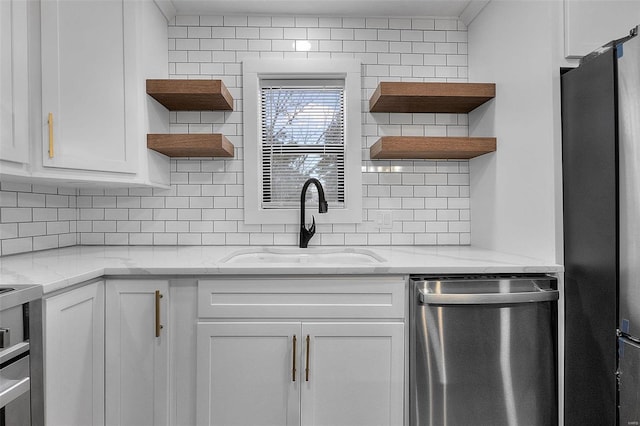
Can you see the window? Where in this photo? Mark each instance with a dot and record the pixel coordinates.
(305, 122)
(302, 136)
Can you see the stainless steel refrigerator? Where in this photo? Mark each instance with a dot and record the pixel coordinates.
(601, 194)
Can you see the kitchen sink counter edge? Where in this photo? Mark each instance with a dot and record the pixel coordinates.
(57, 269)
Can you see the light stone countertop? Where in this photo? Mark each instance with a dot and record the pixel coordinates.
(57, 269)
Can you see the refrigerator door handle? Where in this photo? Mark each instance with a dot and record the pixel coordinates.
(427, 298)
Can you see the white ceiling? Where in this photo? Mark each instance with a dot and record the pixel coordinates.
(343, 8)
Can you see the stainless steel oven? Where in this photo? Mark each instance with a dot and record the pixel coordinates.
(21, 395)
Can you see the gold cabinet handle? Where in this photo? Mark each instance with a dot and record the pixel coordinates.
(50, 135)
(158, 325)
(293, 370)
(306, 370)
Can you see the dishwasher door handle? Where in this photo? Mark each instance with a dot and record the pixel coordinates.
(426, 298)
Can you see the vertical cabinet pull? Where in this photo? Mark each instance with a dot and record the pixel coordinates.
(50, 135)
(306, 370)
(293, 370)
(158, 325)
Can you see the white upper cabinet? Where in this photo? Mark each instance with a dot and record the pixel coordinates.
(72, 86)
(590, 24)
(14, 126)
(87, 87)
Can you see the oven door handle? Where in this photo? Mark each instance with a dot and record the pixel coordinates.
(13, 351)
(14, 380)
(12, 389)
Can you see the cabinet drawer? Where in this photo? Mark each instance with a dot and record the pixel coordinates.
(334, 297)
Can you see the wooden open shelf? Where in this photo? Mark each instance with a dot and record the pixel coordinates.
(191, 95)
(190, 145)
(430, 97)
(420, 147)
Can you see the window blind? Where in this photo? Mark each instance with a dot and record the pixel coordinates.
(302, 137)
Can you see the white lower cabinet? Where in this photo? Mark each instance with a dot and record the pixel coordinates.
(355, 374)
(245, 374)
(106, 354)
(74, 357)
(321, 371)
(283, 373)
(137, 353)
(308, 351)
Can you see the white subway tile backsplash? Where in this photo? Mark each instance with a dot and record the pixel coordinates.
(199, 32)
(435, 36)
(8, 199)
(56, 201)
(14, 214)
(261, 239)
(177, 32)
(424, 72)
(187, 68)
(382, 23)
(176, 226)
(400, 23)
(45, 242)
(353, 22)
(185, 44)
(116, 214)
(26, 199)
(8, 231)
(16, 245)
(104, 226)
(435, 203)
(429, 200)
(116, 239)
(55, 228)
(165, 239)
(259, 21)
(30, 229)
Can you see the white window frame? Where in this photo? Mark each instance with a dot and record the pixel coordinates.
(254, 70)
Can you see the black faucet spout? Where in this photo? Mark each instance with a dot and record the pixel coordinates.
(307, 233)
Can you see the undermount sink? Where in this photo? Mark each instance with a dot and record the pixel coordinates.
(339, 255)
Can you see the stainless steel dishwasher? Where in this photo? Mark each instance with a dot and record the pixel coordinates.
(483, 351)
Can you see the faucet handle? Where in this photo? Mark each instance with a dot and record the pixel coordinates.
(306, 234)
(312, 228)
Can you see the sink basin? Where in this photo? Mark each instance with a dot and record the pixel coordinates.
(339, 255)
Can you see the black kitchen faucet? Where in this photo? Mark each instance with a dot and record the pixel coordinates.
(306, 234)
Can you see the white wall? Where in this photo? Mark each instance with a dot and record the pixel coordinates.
(515, 194)
(590, 24)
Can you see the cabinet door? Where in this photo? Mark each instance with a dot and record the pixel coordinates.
(74, 357)
(14, 137)
(137, 357)
(246, 374)
(356, 374)
(85, 85)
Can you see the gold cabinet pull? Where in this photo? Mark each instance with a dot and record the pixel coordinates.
(306, 370)
(50, 135)
(293, 370)
(158, 325)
